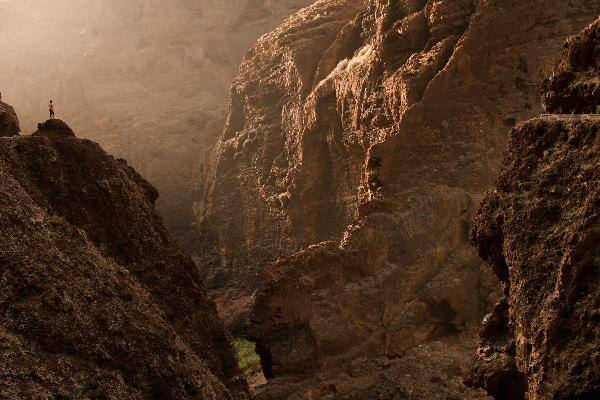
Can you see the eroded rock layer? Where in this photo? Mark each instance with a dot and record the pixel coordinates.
(540, 229)
(361, 136)
(96, 300)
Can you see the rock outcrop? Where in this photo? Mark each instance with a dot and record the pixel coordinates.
(575, 87)
(360, 139)
(540, 228)
(96, 299)
(54, 127)
(148, 80)
(9, 123)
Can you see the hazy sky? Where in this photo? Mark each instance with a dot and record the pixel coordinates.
(52, 48)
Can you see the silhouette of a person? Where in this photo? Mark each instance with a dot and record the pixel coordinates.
(51, 109)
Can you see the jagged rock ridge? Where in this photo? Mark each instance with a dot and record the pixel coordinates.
(96, 299)
(361, 136)
(539, 227)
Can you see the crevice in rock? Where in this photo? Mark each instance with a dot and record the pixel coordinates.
(266, 360)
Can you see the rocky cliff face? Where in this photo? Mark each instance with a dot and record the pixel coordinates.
(540, 228)
(249, 203)
(147, 79)
(361, 136)
(575, 87)
(96, 299)
(9, 123)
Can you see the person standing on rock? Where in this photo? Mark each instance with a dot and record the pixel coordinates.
(51, 109)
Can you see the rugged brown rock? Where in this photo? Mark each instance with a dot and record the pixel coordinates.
(248, 205)
(540, 228)
(575, 88)
(147, 79)
(9, 123)
(96, 300)
(361, 136)
(54, 127)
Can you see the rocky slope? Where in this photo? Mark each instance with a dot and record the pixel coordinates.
(360, 138)
(540, 228)
(147, 79)
(96, 300)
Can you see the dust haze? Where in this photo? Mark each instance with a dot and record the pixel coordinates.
(147, 79)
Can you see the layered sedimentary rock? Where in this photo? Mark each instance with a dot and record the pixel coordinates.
(147, 79)
(96, 299)
(9, 123)
(539, 227)
(361, 137)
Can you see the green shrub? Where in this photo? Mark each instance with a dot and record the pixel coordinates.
(247, 357)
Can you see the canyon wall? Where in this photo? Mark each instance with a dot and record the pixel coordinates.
(96, 299)
(360, 139)
(539, 227)
(147, 79)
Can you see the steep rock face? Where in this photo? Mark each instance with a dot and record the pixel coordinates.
(355, 167)
(540, 228)
(575, 88)
(96, 299)
(147, 79)
(9, 123)
(258, 164)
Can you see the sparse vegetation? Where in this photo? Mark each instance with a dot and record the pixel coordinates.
(248, 359)
(54, 219)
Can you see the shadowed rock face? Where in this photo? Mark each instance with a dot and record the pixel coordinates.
(540, 228)
(9, 123)
(575, 87)
(96, 299)
(361, 137)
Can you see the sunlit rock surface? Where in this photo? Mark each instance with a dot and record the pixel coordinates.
(361, 138)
